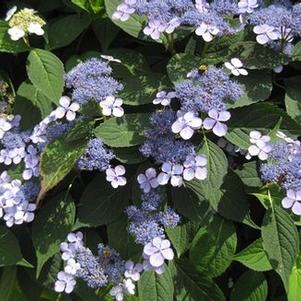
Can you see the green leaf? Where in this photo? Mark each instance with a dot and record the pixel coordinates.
(7, 283)
(133, 26)
(265, 193)
(280, 241)
(293, 98)
(213, 247)
(255, 116)
(297, 52)
(217, 165)
(230, 200)
(249, 175)
(180, 64)
(132, 63)
(294, 282)
(251, 286)
(105, 31)
(85, 292)
(194, 286)
(27, 91)
(129, 155)
(24, 107)
(255, 56)
(189, 204)
(101, 204)
(152, 286)
(140, 89)
(125, 131)
(94, 6)
(80, 131)
(257, 86)
(10, 253)
(46, 72)
(254, 257)
(63, 31)
(7, 44)
(217, 51)
(57, 160)
(182, 236)
(51, 226)
(121, 240)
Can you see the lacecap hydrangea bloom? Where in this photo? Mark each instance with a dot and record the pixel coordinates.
(23, 23)
(164, 17)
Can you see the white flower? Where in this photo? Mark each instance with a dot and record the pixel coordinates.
(110, 58)
(111, 106)
(293, 200)
(172, 25)
(186, 124)
(154, 29)
(35, 28)
(5, 126)
(214, 122)
(65, 283)
(260, 145)
(247, 6)
(72, 267)
(202, 6)
(149, 180)
(132, 270)
(66, 108)
(156, 251)
(278, 69)
(266, 33)
(117, 292)
(75, 238)
(115, 176)
(24, 213)
(164, 98)
(207, 32)
(10, 13)
(195, 167)
(235, 66)
(172, 172)
(128, 287)
(16, 33)
(124, 10)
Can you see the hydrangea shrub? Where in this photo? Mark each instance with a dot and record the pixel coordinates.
(150, 150)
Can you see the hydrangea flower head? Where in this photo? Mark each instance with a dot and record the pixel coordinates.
(24, 22)
(92, 81)
(96, 156)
